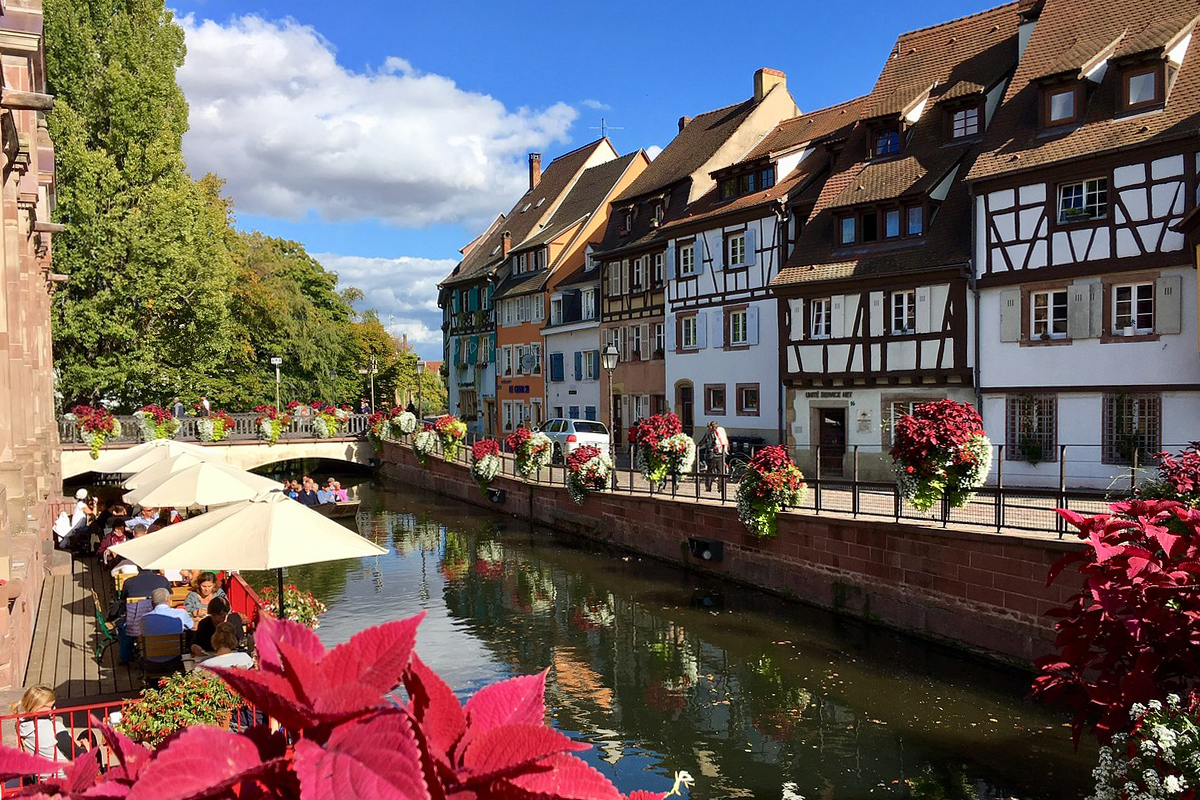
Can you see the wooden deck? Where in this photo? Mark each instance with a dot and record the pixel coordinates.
(65, 638)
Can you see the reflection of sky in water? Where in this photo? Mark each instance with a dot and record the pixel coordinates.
(745, 692)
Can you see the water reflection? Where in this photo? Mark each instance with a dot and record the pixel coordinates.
(662, 670)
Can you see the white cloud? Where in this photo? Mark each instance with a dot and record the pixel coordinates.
(402, 290)
(652, 151)
(596, 105)
(294, 132)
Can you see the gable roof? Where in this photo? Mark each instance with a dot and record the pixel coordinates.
(832, 122)
(936, 64)
(542, 201)
(1069, 34)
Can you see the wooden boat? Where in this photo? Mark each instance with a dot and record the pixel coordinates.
(337, 510)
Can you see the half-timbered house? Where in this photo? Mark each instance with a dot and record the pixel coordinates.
(721, 256)
(1087, 291)
(875, 305)
(632, 253)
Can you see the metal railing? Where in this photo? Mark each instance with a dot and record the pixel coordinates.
(245, 428)
(998, 505)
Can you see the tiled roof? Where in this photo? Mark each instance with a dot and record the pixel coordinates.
(1083, 54)
(832, 122)
(541, 200)
(1013, 141)
(957, 56)
(580, 275)
(513, 285)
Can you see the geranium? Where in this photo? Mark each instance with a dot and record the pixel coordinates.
(214, 427)
(270, 422)
(533, 451)
(589, 469)
(378, 424)
(156, 422)
(485, 462)
(451, 430)
(940, 450)
(197, 697)
(404, 423)
(426, 443)
(326, 420)
(96, 426)
(343, 735)
(770, 483)
(662, 447)
(299, 605)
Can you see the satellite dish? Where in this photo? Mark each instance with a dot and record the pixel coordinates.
(527, 362)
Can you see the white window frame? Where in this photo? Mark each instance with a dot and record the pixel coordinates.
(591, 366)
(905, 302)
(635, 343)
(1048, 309)
(660, 338)
(688, 336)
(587, 303)
(1091, 196)
(739, 330)
(658, 269)
(1135, 298)
(820, 318)
(965, 122)
(687, 259)
(556, 310)
(735, 250)
(638, 274)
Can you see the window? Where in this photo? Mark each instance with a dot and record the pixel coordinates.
(735, 250)
(660, 340)
(1132, 428)
(1133, 308)
(1030, 432)
(891, 224)
(738, 333)
(511, 413)
(847, 230)
(536, 352)
(728, 188)
(904, 312)
(687, 330)
(556, 311)
(614, 279)
(747, 399)
(1061, 105)
(636, 280)
(588, 303)
(964, 122)
(887, 142)
(1141, 87)
(870, 226)
(627, 222)
(1048, 315)
(506, 360)
(916, 221)
(1085, 200)
(539, 258)
(635, 343)
(766, 178)
(591, 365)
(658, 269)
(820, 318)
(687, 259)
(714, 398)
(658, 213)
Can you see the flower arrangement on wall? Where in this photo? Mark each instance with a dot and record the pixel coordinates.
(327, 421)
(404, 423)
(451, 431)
(215, 427)
(533, 451)
(940, 451)
(426, 443)
(197, 697)
(771, 483)
(378, 425)
(156, 422)
(270, 423)
(96, 426)
(485, 462)
(663, 448)
(300, 605)
(589, 469)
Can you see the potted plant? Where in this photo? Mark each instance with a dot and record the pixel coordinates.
(589, 469)
(425, 444)
(770, 484)
(270, 423)
(1031, 449)
(662, 447)
(533, 451)
(940, 450)
(404, 423)
(156, 422)
(96, 426)
(451, 431)
(300, 605)
(198, 697)
(485, 462)
(215, 427)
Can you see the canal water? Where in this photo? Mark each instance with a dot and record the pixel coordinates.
(664, 670)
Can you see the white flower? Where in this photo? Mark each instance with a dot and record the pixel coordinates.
(1174, 784)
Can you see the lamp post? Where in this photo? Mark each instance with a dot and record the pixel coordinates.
(276, 361)
(420, 382)
(608, 360)
(374, 368)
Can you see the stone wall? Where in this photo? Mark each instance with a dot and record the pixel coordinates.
(981, 592)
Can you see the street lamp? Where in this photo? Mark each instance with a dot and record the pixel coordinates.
(276, 361)
(608, 360)
(374, 368)
(420, 382)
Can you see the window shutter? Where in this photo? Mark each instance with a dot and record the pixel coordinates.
(556, 367)
(669, 262)
(702, 330)
(671, 322)
(491, 348)
(1010, 315)
(647, 345)
(878, 314)
(457, 350)
(718, 328)
(1168, 296)
(923, 310)
(837, 316)
(590, 413)
(578, 365)
(751, 245)
(1079, 311)
(625, 268)
(752, 325)
(595, 364)
(718, 255)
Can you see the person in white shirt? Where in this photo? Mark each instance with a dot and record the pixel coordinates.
(224, 640)
(43, 733)
(717, 444)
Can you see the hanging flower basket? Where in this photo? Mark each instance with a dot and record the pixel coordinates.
(451, 431)
(589, 469)
(300, 605)
(156, 422)
(404, 424)
(485, 462)
(327, 421)
(532, 450)
(270, 423)
(377, 426)
(96, 426)
(663, 448)
(215, 427)
(940, 451)
(771, 483)
(425, 444)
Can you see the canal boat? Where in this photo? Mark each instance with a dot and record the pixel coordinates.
(348, 508)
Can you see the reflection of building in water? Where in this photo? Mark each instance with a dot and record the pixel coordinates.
(578, 680)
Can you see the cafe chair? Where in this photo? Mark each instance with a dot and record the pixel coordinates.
(161, 655)
(106, 632)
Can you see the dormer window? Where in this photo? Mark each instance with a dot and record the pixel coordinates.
(964, 122)
(1141, 87)
(847, 230)
(744, 183)
(627, 223)
(883, 223)
(658, 214)
(887, 142)
(1061, 104)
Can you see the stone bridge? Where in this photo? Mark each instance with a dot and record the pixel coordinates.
(242, 448)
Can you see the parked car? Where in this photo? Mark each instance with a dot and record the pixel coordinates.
(567, 434)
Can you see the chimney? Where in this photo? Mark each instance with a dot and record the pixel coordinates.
(535, 169)
(766, 79)
(505, 244)
(683, 121)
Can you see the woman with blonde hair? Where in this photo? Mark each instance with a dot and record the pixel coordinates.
(224, 641)
(42, 732)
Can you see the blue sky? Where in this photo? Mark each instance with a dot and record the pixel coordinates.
(384, 135)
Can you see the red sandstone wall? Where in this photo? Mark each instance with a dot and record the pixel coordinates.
(983, 592)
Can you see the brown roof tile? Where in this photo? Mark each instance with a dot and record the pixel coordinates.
(827, 122)
(1013, 141)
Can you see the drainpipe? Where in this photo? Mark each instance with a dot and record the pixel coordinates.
(782, 219)
(973, 285)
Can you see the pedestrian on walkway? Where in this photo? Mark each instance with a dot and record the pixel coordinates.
(716, 444)
(177, 408)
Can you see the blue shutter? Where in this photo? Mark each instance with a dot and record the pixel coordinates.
(578, 365)
(752, 325)
(590, 412)
(751, 245)
(596, 363)
(556, 367)
(574, 412)
(702, 329)
(669, 262)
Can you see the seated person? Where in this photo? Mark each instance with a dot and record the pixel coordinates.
(163, 619)
(46, 735)
(340, 495)
(115, 536)
(324, 495)
(205, 590)
(147, 517)
(218, 612)
(225, 641)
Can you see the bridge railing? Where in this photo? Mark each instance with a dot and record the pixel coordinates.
(245, 428)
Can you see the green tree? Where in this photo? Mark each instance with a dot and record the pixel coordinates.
(146, 311)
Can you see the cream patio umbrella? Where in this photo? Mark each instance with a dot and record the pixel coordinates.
(186, 482)
(139, 457)
(270, 531)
